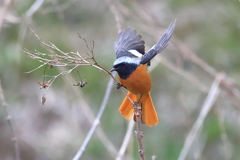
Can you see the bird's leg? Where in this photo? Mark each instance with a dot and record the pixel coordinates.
(138, 108)
(119, 85)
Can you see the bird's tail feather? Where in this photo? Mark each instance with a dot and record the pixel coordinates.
(149, 114)
(126, 108)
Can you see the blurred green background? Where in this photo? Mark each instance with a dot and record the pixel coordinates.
(56, 130)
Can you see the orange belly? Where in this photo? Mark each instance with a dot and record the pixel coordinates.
(139, 82)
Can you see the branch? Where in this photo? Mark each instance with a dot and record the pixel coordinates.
(96, 121)
(125, 140)
(209, 101)
(139, 132)
(10, 123)
(58, 58)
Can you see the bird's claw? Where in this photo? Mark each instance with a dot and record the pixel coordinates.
(119, 85)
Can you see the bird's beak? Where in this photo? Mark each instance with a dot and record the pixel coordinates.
(113, 69)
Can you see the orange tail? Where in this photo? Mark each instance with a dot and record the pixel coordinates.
(126, 108)
(149, 115)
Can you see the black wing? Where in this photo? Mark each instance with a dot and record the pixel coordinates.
(127, 40)
(161, 44)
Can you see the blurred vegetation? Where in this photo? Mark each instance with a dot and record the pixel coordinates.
(56, 130)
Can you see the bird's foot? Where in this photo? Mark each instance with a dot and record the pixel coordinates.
(119, 85)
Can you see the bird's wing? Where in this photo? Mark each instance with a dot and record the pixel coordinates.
(160, 45)
(127, 41)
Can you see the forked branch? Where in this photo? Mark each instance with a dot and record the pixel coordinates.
(55, 57)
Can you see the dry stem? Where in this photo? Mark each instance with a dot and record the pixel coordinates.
(58, 58)
(211, 98)
(10, 123)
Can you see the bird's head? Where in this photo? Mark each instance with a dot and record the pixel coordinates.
(125, 65)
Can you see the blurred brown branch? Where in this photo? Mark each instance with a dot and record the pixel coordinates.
(6, 6)
(208, 104)
(10, 123)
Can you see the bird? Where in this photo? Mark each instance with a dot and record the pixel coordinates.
(131, 64)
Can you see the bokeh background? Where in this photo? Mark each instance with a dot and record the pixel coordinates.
(206, 42)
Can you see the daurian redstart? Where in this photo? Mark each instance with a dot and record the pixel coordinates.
(131, 65)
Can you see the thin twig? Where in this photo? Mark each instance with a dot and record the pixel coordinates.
(96, 121)
(209, 101)
(126, 139)
(10, 123)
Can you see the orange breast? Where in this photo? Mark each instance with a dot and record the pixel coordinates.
(139, 82)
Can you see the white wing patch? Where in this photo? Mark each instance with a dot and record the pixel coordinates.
(127, 60)
(135, 53)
